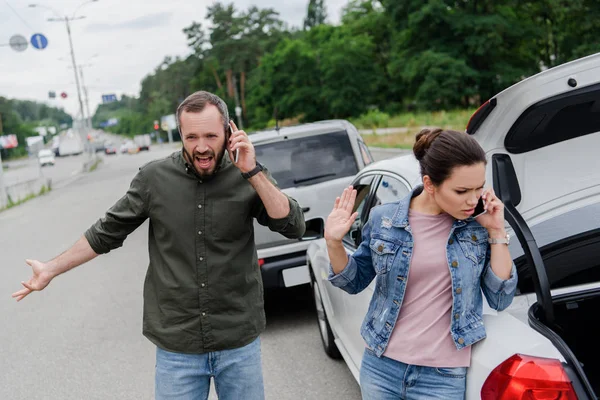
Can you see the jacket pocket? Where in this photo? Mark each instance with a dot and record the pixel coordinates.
(383, 254)
(474, 243)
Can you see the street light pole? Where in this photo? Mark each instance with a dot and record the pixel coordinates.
(87, 102)
(67, 20)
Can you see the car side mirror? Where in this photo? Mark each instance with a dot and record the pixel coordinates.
(315, 229)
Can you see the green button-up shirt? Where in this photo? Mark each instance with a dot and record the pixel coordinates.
(203, 289)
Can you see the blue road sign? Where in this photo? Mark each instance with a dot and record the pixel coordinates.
(39, 41)
(109, 98)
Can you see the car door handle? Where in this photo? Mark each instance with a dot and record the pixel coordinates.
(306, 209)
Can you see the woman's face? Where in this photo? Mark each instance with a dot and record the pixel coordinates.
(459, 193)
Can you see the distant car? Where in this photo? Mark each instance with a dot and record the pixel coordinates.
(110, 148)
(129, 147)
(46, 157)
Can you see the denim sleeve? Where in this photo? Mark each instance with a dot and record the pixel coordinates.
(499, 293)
(359, 271)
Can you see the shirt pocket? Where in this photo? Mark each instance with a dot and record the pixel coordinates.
(228, 219)
(383, 254)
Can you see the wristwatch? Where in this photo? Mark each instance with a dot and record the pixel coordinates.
(251, 173)
(500, 241)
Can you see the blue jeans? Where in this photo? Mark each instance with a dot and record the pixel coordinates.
(387, 379)
(237, 374)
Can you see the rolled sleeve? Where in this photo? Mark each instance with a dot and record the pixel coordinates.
(496, 284)
(127, 214)
(499, 292)
(345, 277)
(291, 226)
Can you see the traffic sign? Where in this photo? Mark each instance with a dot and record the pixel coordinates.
(52, 94)
(63, 95)
(109, 98)
(18, 43)
(39, 41)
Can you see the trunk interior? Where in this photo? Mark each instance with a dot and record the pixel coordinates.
(574, 323)
(575, 261)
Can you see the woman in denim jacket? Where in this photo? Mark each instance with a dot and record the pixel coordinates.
(420, 325)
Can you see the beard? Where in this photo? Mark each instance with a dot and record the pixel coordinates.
(205, 164)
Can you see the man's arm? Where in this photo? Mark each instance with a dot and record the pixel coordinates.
(106, 234)
(276, 203)
(80, 253)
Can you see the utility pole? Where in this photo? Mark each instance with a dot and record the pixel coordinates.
(87, 102)
(238, 109)
(3, 196)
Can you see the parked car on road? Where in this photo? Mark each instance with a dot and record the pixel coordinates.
(312, 163)
(541, 136)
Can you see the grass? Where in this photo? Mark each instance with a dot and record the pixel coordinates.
(45, 189)
(94, 165)
(413, 122)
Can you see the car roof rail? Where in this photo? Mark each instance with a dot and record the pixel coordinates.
(506, 186)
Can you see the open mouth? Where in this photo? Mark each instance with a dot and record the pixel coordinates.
(203, 162)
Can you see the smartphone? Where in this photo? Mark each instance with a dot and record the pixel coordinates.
(237, 152)
(479, 208)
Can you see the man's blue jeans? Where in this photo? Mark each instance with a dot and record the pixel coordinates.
(237, 374)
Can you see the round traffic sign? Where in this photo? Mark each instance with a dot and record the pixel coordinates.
(63, 95)
(18, 43)
(39, 41)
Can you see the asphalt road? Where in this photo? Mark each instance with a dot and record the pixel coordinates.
(81, 337)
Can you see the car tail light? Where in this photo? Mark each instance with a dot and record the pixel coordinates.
(480, 115)
(524, 377)
(261, 262)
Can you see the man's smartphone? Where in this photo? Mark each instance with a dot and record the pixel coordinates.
(237, 152)
(479, 208)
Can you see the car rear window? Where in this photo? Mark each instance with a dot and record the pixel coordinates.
(308, 160)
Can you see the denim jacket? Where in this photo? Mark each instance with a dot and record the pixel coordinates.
(385, 254)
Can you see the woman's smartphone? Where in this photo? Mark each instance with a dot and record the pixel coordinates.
(479, 208)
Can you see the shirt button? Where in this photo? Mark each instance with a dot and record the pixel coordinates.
(455, 264)
(199, 232)
(461, 341)
(458, 290)
(200, 258)
(199, 205)
(474, 238)
(456, 316)
(380, 248)
(450, 241)
(204, 314)
(203, 285)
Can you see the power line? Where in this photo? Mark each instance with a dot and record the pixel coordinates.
(18, 15)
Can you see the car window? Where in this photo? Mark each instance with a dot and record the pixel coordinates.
(308, 160)
(390, 190)
(363, 188)
(365, 153)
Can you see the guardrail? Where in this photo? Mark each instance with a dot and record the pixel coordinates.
(21, 191)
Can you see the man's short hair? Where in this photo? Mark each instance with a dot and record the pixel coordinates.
(196, 102)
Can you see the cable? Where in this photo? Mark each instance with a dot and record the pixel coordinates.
(18, 16)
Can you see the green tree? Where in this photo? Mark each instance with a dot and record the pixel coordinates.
(316, 14)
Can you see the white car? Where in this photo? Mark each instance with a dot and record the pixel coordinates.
(541, 137)
(45, 157)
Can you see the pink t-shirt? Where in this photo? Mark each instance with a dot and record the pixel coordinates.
(421, 335)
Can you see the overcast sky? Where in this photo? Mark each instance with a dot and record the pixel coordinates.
(118, 43)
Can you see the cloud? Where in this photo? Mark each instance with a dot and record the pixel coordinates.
(150, 21)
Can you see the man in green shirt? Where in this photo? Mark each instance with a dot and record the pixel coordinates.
(203, 295)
